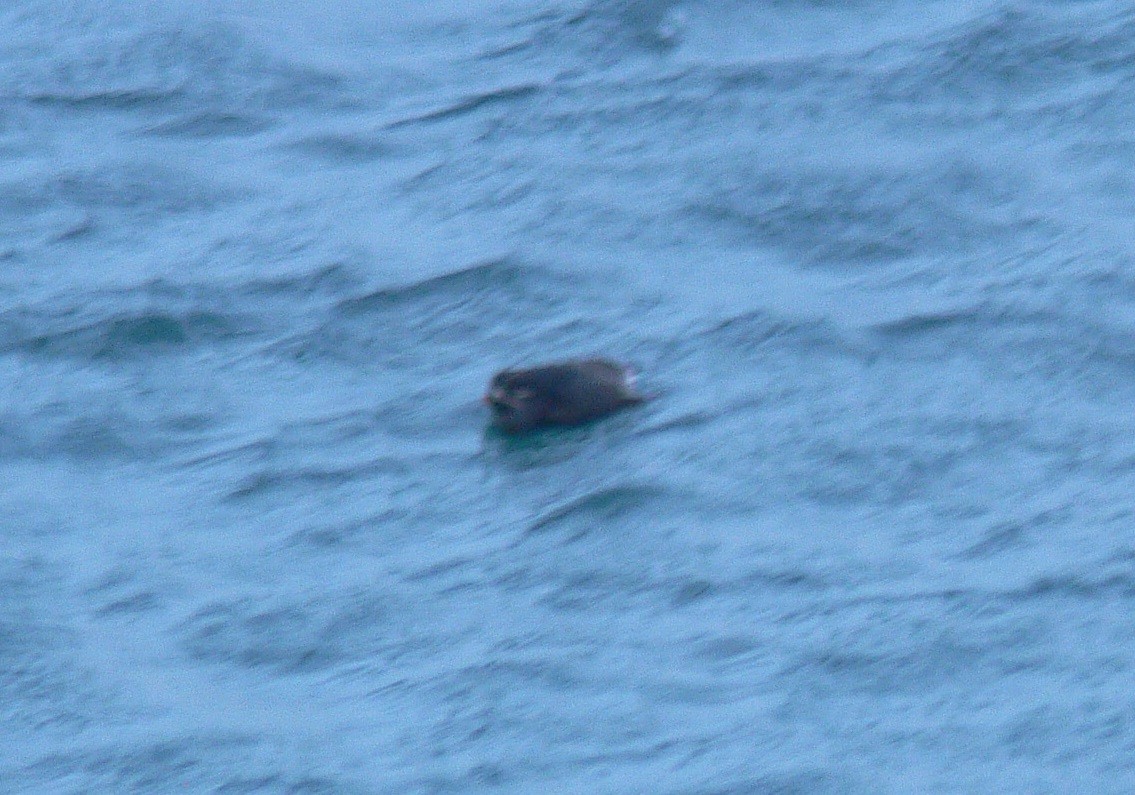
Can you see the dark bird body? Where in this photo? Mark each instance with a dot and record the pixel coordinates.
(564, 393)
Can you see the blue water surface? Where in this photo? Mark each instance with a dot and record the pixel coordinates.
(874, 261)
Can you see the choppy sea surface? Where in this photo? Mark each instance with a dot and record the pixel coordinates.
(874, 260)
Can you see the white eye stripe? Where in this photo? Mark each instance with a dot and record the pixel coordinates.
(522, 393)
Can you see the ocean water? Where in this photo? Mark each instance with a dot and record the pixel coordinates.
(874, 261)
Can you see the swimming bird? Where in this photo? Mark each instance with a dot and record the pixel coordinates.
(561, 393)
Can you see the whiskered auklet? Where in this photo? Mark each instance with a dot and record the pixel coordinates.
(562, 393)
